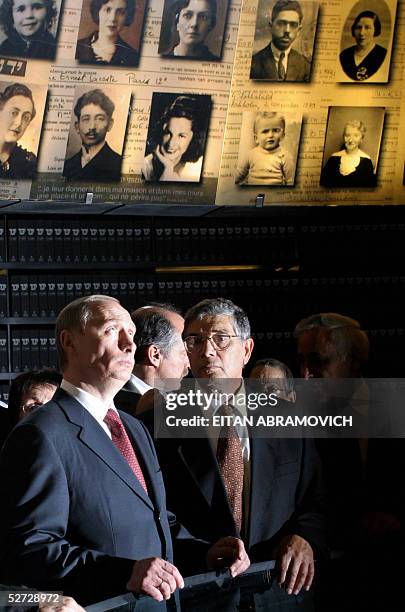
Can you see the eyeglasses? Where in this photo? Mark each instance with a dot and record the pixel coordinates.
(219, 341)
(26, 408)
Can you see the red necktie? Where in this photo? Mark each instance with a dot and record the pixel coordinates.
(230, 461)
(121, 441)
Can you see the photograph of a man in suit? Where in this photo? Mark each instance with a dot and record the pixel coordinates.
(95, 161)
(278, 61)
(83, 504)
(263, 491)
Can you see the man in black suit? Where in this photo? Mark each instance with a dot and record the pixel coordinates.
(83, 502)
(361, 474)
(95, 161)
(161, 359)
(274, 504)
(278, 61)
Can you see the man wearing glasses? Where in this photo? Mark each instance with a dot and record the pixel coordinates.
(267, 492)
(278, 61)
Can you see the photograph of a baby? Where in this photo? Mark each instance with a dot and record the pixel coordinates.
(271, 140)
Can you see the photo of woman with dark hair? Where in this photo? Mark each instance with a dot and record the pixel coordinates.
(191, 21)
(363, 59)
(105, 45)
(27, 24)
(17, 110)
(176, 142)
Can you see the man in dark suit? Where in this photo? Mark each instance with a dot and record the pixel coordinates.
(278, 61)
(95, 161)
(161, 359)
(83, 504)
(273, 502)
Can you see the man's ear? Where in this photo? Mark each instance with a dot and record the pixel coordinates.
(77, 127)
(154, 355)
(66, 339)
(110, 124)
(248, 348)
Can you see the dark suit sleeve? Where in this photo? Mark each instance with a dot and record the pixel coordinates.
(36, 548)
(308, 519)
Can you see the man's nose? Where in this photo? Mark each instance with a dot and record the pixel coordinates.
(126, 341)
(207, 347)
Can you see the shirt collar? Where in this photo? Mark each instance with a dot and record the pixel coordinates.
(94, 405)
(276, 52)
(140, 384)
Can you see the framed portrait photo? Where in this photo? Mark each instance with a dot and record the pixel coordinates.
(97, 134)
(352, 146)
(21, 117)
(177, 133)
(366, 41)
(283, 45)
(193, 29)
(29, 28)
(110, 32)
(268, 148)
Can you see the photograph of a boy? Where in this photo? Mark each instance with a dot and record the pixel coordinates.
(269, 162)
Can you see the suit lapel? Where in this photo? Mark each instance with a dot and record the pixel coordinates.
(269, 66)
(199, 459)
(95, 438)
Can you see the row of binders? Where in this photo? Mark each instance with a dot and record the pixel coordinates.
(78, 241)
(127, 240)
(283, 301)
(33, 349)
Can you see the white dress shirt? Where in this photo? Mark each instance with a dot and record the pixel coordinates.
(92, 404)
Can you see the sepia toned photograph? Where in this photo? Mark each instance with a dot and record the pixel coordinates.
(21, 115)
(366, 42)
(268, 148)
(176, 138)
(193, 29)
(28, 28)
(110, 32)
(97, 134)
(352, 146)
(283, 45)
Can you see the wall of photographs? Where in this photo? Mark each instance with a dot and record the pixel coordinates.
(203, 101)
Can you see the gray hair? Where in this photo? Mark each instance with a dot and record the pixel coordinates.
(152, 327)
(74, 317)
(213, 307)
(345, 334)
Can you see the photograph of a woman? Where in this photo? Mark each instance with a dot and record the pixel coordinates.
(110, 22)
(29, 27)
(176, 141)
(371, 32)
(17, 110)
(193, 29)
(354, 164)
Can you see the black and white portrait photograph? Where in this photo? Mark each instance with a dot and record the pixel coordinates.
(352, 146)
(29, 28)
(21, 115)
(97, 134)
(366, 42)
(283, 45)
(110, 32)
(268, 148)
(193, 29)
(176, 138)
